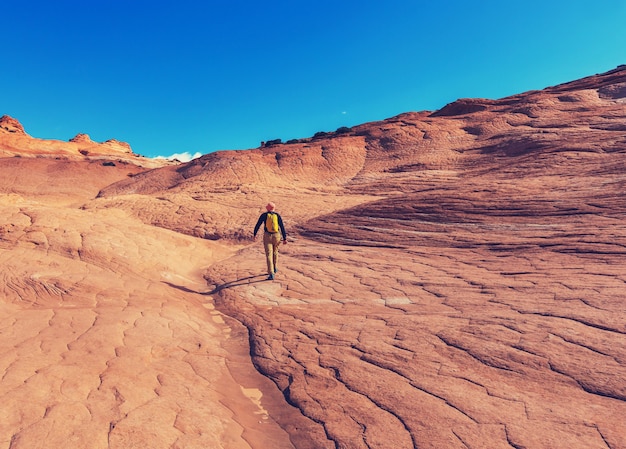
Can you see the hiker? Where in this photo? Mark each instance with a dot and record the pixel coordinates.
(273, 231)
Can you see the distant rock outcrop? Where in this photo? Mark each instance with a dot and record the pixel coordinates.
(114, 145)
(463, 106)
(81, 138)
(14, 142)
(11, 125)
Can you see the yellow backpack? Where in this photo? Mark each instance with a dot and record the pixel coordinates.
(271, 222)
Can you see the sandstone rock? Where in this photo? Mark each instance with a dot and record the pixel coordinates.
(121, 146)
(81, 138)
(14, 142)
(454, 279)
(11, 125)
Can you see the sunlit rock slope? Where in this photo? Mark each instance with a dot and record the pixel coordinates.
(454, 279)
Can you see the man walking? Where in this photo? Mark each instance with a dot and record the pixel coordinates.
(274, 233)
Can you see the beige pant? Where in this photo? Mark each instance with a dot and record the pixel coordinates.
(271, 242)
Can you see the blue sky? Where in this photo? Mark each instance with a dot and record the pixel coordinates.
(200, 76)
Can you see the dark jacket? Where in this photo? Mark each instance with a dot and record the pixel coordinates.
(262, 219)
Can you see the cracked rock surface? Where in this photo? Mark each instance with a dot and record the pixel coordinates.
(106, 340)
(453, 279)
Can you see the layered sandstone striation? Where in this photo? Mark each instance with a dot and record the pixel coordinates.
(453, 279)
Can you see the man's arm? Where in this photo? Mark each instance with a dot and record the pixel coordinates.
(282, 228)
(259, 222)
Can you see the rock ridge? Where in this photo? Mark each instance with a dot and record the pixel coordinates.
(557, 124)
(15, 142)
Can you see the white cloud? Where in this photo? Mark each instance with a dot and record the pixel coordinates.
(183, 157)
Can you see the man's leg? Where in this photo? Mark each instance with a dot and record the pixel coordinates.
(268, 244)
(275, 244)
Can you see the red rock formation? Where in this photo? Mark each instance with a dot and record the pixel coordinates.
(480, 303)
(454, 279)
(11, 125)
(14, 142)
(81, 138)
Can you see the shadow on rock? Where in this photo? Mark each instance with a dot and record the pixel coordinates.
(243, 281)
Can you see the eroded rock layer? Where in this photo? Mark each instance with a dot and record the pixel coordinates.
(479, 303)
(453, 280)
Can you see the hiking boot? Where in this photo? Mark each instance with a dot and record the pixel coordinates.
(270, 277)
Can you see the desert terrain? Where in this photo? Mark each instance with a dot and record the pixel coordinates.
(453, 279)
